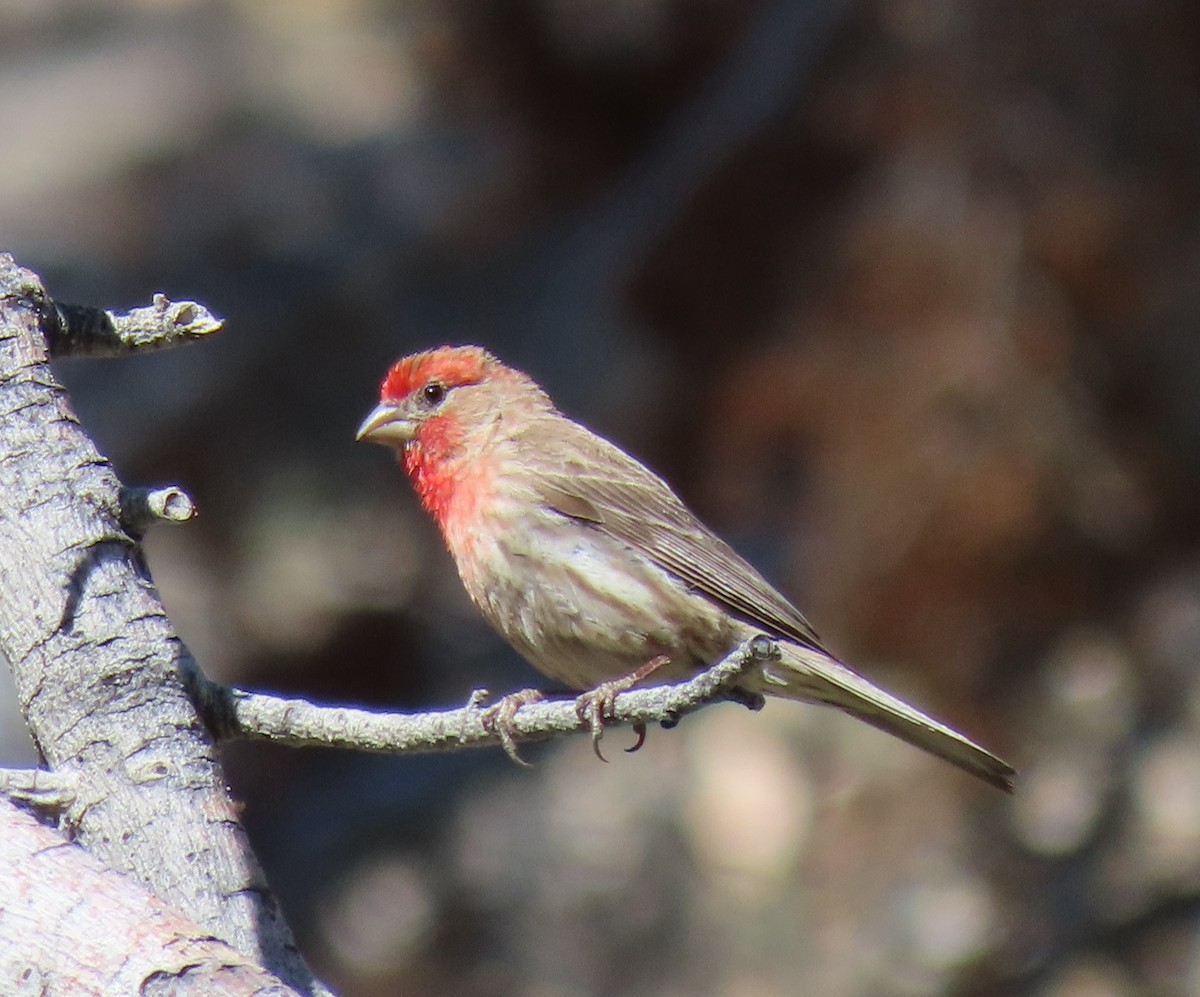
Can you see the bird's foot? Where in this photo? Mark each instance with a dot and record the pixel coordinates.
(596, 705)
(498, 720)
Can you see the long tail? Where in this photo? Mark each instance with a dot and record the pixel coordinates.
(805, 674)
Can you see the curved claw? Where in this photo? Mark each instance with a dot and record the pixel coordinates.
(591, 707)
(498, 720)
(600, 703)
(510, 748)
(639, 729)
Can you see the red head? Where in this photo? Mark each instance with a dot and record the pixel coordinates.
(447, 366)
(445, 410)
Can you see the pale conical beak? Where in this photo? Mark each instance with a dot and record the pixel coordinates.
(386, 424)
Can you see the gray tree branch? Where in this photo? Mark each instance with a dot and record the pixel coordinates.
(101, 676)
(143, 507)
(80, 330)
(53, 895)
(235, 713)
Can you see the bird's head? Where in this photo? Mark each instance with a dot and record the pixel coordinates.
(448, 412)
(441, 404)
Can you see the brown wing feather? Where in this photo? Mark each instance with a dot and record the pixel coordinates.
(585, 477)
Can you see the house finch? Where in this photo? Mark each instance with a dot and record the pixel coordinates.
(587, 562)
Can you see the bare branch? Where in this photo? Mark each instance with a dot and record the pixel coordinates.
(233, 713)
(85, 331)
(40, 787)
(142, 507)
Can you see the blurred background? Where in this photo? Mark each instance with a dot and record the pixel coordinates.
(902, 297)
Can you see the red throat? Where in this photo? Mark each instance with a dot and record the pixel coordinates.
(451, 489)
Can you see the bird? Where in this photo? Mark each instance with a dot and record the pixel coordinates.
(588, 563)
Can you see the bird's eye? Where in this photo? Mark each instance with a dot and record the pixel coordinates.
(433, 393)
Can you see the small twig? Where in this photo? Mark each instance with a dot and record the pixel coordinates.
(91, 332)
(142, 507)
(233, 713)
(39, 787)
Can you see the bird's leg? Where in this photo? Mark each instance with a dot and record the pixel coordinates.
(597, 704)
(498, 719)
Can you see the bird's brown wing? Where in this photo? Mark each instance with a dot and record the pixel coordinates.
(585, 477)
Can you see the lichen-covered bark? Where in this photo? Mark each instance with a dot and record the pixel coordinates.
(101, 676)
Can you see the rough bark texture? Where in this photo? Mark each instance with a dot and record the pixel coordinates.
(101, 676)
(53, 898)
